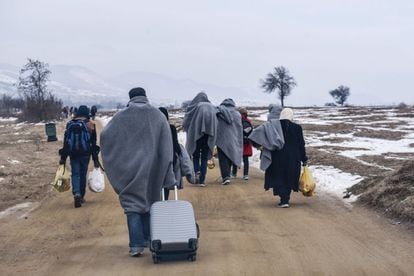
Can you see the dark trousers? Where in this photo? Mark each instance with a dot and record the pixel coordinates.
(224, 163)
(166, 193)
(200, 157)
(284, 194)
(79, 166)
(245, 166)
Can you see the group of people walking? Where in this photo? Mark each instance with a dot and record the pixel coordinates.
(142, 156)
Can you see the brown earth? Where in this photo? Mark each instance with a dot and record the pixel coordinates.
(242, 233)
(27, 162)
(380, 134)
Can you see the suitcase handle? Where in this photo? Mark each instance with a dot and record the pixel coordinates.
(175, 193)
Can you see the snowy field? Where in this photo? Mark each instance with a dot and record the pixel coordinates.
(379, 138)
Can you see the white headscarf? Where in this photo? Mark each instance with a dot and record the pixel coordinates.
(286, 114)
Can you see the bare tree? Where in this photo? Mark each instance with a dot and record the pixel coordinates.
(340, 94)
(280, 81)
(40, 103)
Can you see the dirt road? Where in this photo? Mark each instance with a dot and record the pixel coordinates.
(242, 233)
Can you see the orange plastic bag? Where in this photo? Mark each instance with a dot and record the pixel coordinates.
(307, 183)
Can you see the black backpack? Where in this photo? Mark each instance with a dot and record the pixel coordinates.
(247, 129)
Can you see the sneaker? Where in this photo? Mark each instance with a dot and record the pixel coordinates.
(77, 201)
(233, 175)
(285, 205)
(226, 181)
(246, 177)
(202, 185)
(136, 251)
(197, 178)
(83, 201)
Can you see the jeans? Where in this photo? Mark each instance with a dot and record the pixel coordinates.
(79, 167)
(200, 157)
(224, 163)
(245, 167)
(139, 229)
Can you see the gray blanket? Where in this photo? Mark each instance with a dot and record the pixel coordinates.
(200, 119)
(270, 136)
(230, 131)
(183, 168)
(137, 154)
(274, 112)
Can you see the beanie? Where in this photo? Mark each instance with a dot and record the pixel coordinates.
(137, 91)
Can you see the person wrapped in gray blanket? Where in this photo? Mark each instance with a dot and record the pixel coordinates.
(181, 160)
(229, 138)
(137, 154)
(274, 112)
(200, 124)
(268, 136)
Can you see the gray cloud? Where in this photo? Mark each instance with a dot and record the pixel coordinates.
(366, 45)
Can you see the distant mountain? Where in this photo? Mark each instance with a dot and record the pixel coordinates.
(80, 85)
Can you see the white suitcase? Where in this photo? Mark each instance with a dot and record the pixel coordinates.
(174, 231)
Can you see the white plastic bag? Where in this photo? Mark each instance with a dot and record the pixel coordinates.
(96, 181)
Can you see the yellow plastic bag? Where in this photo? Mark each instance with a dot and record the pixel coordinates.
(62, 179)
(211, 164)
(307, 183)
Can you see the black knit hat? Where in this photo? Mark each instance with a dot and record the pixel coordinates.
(164, 111)
(83, 111)
(137, 91)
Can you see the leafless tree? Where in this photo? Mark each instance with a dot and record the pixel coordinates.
(280, 81)
(40, 103)
(340, 94)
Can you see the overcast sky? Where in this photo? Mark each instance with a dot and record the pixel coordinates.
(365, 44)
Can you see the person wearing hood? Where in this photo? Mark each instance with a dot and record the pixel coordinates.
(247, 144)
(137, 153)
(229, 138)
(284, 171)
(79, 131)
(181, 160)
(200, 125)
(274, 112)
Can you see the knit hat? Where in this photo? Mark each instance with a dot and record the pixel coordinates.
(286, 114)
(83, 111)
(164, 111)
(137, 91)
(243, 111)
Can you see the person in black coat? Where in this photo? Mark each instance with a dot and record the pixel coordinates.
(176, 145)
(284, 172)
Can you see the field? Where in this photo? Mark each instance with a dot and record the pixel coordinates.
(242, 231)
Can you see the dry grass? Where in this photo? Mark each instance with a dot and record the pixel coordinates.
(392, 193)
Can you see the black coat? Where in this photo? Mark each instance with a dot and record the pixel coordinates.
(286, 163)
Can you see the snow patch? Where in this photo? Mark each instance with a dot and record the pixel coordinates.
(104, 120)
(333, 181)
(22, 209)
(8, 119)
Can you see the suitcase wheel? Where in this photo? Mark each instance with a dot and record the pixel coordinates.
(156, 259)
(192, 258)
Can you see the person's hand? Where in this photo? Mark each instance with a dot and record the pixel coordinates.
(62, 162)
(304, 164)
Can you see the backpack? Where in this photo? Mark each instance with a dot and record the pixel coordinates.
(247, 129)
(77, 138)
